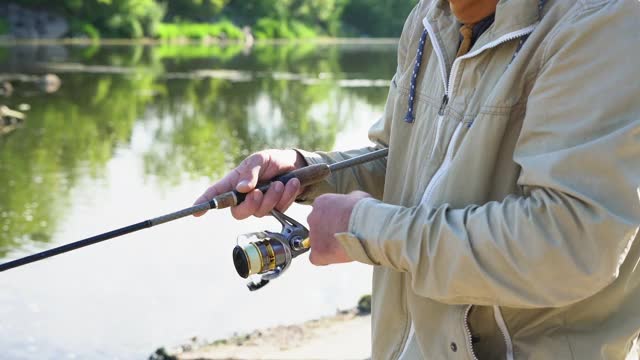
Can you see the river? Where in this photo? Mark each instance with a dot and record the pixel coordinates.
(134, 132)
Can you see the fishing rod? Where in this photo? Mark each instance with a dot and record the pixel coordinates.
(265, 252)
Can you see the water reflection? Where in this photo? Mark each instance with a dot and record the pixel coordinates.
(67, 135)
(207, 123)
(176, 117)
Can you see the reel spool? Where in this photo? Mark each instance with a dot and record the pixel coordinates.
(263, 253)
(267, 254)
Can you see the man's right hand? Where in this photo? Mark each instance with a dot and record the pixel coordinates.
(261, 166)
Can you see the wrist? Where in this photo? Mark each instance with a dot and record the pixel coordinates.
(300, 161)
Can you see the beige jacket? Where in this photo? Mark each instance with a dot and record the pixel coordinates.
(506, 217)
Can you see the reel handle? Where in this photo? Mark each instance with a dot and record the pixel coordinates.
(302, 244)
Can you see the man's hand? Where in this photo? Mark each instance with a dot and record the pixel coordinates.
(263, 165)
(330, 215)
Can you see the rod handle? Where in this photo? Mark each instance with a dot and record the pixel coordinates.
(306, 175)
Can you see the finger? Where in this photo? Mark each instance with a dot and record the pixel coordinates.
(360, 194)
(210, 193)
(316, 258)
(270, 199)
(249, 171)
(224, 185)
(312, 257)
(250, 179)
(313, 252)
(321, 252)
(291, 191)
(249, 206)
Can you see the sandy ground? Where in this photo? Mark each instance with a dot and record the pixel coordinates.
(345, 336)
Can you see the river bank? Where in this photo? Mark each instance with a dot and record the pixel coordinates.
(347, 335)
(190, 19)
(6, 41)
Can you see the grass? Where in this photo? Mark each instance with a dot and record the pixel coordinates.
(4, 54)
(4, 26)
(267, 28)
(224, 29)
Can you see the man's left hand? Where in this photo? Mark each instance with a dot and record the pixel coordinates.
(330, 215)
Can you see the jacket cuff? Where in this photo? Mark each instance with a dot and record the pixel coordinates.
(354, 248)
(367, 228)
(310, 157)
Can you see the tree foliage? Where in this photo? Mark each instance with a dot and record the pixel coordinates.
(112, 18)
(193, 10)
(377, 17)
(277, 18)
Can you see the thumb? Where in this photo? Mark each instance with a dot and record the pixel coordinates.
(249, 175)
(360, 194)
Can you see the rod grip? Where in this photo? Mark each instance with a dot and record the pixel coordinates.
(307, 175)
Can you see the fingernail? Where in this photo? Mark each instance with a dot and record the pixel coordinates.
(243, 183)
(257, 196)
(278, 186)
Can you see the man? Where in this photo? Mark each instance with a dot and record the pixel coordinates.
(503, 223)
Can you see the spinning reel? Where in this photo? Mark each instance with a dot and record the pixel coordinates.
(268, 254)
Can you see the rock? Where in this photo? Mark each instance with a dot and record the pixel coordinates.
(162, 354)
(6, 89)
(7, 113)
(9, 119)
(50, 83)
(25, 23)
(364, 305)
(249, 39)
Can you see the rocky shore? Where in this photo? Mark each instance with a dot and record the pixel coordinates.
(27, 23)
(345, 336)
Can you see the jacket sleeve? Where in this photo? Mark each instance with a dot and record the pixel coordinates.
(368, 177)
(566, 237)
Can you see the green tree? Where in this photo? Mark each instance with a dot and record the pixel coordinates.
(321, 15)
(193, 10)
(113, 18)
(376, 17)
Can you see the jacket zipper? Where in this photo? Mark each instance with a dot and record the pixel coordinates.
(445, 163)
(468, 332)
(405, 348)
(449, 85)
(443, 105)
(497, 314)
(448, 88)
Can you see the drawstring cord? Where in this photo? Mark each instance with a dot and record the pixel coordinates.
(410, 117)
(416, 69)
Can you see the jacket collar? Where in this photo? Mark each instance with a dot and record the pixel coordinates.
(511, 16)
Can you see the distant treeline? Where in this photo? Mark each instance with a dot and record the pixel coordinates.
(197, 19)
